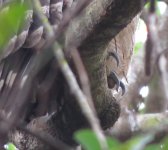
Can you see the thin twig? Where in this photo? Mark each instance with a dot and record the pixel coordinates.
(165, 51)
(142, 125)
(71, 13)
(156, 47)
(38, 11)
(80, 97)
(67, 17)
(82, 74)
(75, 89)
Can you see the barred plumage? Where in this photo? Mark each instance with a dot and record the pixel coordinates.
(20, 48)
(32, 31)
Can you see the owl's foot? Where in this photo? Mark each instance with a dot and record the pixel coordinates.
(113, 80)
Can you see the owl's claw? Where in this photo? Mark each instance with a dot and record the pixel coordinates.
(122, 87)
(113, 80)
(115, 55)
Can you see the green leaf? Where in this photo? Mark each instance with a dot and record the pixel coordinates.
(164, 144)
(11, 18)
(112, 143)
(153, 147)
(136, 143)
(10, 146)
(158, 12)
(137, 47)
(87, 139)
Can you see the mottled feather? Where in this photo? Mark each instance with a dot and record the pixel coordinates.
(16, 53)
(122, 45)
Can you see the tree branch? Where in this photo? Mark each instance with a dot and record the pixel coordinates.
(145, 123)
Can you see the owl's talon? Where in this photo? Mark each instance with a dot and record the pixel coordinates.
(112, 79)
(122, 87)
(115, 55)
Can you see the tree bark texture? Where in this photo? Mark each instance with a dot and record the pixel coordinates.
(93, 32)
